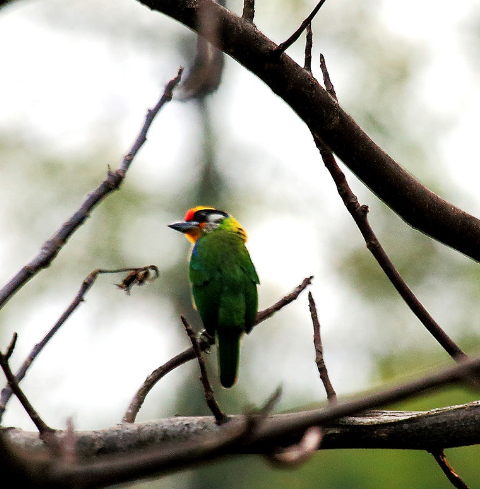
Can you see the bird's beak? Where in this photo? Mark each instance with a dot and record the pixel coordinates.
(184, 226)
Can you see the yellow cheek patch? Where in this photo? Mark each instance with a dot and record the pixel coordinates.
(194, 234)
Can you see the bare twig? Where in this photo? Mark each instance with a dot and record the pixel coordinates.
(42, 427)
(113, 181)
(282, 47)
(284, 301)
(317, 340)
(87, 284)
(220, 416)
(326, 78)
(452, 476)
(267, 408)
(11, 346)
(248, 10)
(308, 49)
(359, 214)
(139, 397)
(189, 354)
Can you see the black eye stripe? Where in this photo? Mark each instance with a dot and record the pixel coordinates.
(203, 214)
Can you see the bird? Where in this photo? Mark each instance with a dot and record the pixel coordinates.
(223, 282)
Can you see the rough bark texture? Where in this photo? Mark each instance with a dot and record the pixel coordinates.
(439, 428)
(411, 200)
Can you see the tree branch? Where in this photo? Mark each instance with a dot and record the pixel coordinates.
(42, 427)
(432, 430)
(452, 476)
(359, 215)
(405, 195)
(317, 341)
(451, 427)
(286, 44)
(113, 181)
(137, 276)
(219, 415)
(424, 430)
(189, 354)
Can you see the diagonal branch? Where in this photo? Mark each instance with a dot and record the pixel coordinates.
(452, 476)
(282, 47)
(359, 214)
(52, 247)
(405, 195)
(42, 427)
(220, 416)
(87, 284)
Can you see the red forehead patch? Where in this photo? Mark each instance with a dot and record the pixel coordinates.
(189, 214)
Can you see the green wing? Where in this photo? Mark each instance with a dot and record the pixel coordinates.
(224, 286)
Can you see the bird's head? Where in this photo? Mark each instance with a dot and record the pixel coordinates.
(202, 220)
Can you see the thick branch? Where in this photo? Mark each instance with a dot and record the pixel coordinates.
(412, 201)
(461, 428)
(419, 430)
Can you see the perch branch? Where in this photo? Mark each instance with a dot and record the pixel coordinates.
(204, 441)
(220, 416)
(187, 355)
(284, 301)
(113, 181)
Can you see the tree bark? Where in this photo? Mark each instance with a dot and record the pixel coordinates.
(417, 205)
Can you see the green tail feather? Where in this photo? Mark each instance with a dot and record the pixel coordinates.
(228, 357)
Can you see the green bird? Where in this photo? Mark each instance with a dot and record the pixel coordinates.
(224, 282)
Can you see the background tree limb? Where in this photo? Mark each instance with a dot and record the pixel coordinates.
(416, 204)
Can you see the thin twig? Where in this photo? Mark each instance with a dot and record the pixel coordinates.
(326, 78)
(317, 341)
(42, 427)
(453, 477)
(113, 181)
(139, 397)
(220, 416)
(187, 355)
(87, 284)
(11, 346)
(284, 301)
(248, 10)
(308, 49)
(359, 214)
(282, 47)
